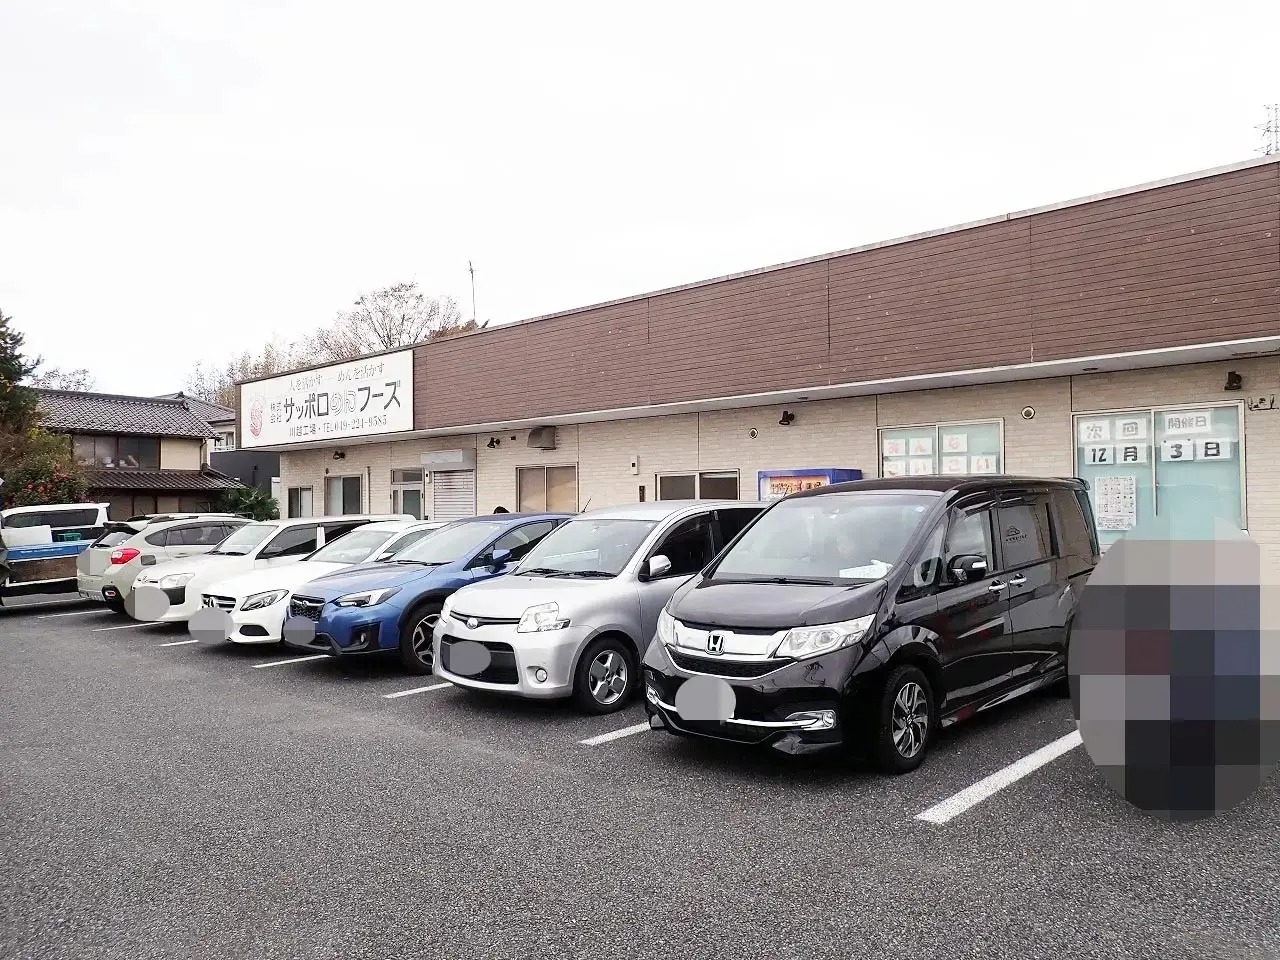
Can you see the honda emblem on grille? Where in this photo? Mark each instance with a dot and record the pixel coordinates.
(472, 623)
(715, 642)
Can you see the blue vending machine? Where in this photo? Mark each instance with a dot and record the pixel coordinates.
(775, 484)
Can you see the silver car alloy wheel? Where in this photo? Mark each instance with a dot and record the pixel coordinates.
(910, 719)
(607, 677)
(422, 632)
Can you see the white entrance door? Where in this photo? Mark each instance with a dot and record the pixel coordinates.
(453, 494)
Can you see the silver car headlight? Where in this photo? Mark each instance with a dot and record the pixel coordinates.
(259, 600)
(543, 616)
(175, 580)
(801, 642)
(666, 628)
(366, 598)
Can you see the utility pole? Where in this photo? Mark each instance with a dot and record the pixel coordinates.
(472, 271)
(1271, 131)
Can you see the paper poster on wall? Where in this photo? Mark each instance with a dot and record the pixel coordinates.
(921, 466)
(1213, 449)
(895, 468)
(955, 443)
(895, 448)
(1176, 450)
(1131, 453)
(986, 464)
(1098, 455)
(922, 447)
(955, 464)
(1116, 503)
(1131, 428)
(1095, 431)
(1195, 421)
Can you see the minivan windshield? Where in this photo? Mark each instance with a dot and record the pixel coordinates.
(244, 539)
(833, 538)
(586, 548)
(448, 544)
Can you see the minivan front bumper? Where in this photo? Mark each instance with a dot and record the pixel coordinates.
(797, 708)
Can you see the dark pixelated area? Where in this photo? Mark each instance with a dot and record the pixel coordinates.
(1173, 683)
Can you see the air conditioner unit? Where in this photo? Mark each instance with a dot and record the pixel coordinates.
(543, 438)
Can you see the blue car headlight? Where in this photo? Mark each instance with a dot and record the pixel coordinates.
(367, 598)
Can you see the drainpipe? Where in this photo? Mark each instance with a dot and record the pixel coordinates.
(368, 485)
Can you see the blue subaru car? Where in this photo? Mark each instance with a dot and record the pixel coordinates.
(393, 605)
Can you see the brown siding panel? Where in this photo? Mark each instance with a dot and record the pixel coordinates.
(1177, 265)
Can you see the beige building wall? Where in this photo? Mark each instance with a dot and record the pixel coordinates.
(496, 468)
(658, 444)
(180, 453)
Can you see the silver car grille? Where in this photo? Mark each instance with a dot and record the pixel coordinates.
(305, 607)
(219, 603)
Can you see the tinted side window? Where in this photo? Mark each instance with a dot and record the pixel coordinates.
(53, 518)
(687, 545)
(523, 539)
(332, 531)
(183, 536)
(970, 535)
(293, 542)
(1086, 510)
(1025, 535)
(929, 565)
(733, 522)
(159, 538)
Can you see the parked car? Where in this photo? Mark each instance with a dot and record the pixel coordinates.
(384, 607)
(39, 546)
(573, 619)
(267, 543)
(107, 569)
(868, 615)
(258, 602)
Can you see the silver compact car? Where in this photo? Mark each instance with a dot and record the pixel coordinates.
(574, 618)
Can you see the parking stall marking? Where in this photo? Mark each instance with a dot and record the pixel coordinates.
(405, 693)
(73, 613)
(281, 663)
(614, 735)
(127, 626)
(953, 806)
(178, 643)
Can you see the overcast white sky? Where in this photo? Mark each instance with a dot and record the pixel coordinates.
(182, 180)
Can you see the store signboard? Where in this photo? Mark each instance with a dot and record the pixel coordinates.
(355, 399)
(775, 484)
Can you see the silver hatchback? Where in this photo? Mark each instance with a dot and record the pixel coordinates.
(574, 618)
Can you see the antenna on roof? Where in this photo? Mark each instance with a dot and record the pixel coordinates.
(1270, 131)
(472, 270)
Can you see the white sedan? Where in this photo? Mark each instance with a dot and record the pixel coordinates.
(258, 602)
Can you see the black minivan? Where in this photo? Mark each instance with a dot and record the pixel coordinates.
(867, 615)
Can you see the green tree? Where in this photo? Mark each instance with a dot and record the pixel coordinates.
(38, 468)
(17, 403)
(250, 502)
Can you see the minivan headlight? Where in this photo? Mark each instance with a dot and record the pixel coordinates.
(544, 616)
(801, 642)
(366, 598)
(259, 600)
(666, 628)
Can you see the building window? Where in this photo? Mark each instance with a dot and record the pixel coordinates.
(300, 502)
(1184, 462)
(707, 485)
(406, 492)
(109, 451)
(341, 496)
(550, 489)
(225, 440)
(974, 446)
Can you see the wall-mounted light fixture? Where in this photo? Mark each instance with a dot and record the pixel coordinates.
(339, 455)
(787, 418)
(493, 443)
(1234, 381)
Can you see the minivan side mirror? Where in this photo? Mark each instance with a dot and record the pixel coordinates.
(967, 568)
(657, 567)
(499, 559)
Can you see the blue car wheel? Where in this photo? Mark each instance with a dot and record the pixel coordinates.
(415, 637)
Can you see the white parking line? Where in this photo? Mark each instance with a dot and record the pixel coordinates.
(281, 663)
(971, 796)
(73, 613)
(405, 693)
(178, 643)
(128, 626)
(615, 735)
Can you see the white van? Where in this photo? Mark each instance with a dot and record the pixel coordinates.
(39, 546)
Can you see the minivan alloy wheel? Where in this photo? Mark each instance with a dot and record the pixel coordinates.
(607, 676)
(910, 719)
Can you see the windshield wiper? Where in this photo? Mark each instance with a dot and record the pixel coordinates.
(540, 572)
(589, 573)
(801, 581)
(227, 553)
(422, 563)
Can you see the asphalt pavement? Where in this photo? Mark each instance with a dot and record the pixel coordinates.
(173, 799)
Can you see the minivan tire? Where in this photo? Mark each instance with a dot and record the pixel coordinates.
(613, 654)
(419, 624)
(906, 703)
